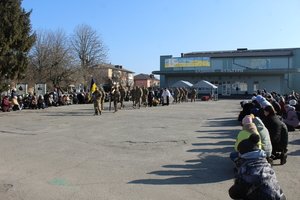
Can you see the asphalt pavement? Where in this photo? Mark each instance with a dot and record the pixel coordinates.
(178, 152)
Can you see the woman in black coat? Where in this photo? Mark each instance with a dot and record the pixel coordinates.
(278, 134)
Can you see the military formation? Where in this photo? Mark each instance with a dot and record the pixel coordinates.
(140, 97)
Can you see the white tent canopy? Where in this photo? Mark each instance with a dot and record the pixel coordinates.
(205, 84)
(182, 83)
(205, 87)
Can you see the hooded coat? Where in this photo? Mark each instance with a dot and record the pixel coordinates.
(264, 136)
(5, 104)
(256, 180)
(277, 130)
(291, 118)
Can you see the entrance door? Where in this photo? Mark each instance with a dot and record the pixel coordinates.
(226, 88)
(255, 86)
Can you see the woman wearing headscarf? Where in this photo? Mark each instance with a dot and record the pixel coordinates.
(291, 119)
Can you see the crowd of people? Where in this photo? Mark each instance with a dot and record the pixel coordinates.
(140, 96)
(15, 102)
(266, 120)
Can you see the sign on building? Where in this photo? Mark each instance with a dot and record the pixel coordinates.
(22, 89)
(40, 89)
(187, 62)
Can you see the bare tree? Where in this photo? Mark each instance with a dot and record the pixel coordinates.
(88, 48)
(51, 58)
(40, 57)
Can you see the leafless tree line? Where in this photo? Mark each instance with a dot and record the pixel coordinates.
(58, 59)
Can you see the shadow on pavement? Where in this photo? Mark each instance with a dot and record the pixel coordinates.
(226, 142)
(213, 164)
(220, 122)
(295, 142)
(297, 152)
(76, 114)
(294, 153)
(219, 134)
(223, 150)
(210, 169)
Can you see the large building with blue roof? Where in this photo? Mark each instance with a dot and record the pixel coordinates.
(237, 72)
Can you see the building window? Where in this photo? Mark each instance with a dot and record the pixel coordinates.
(240, 87)
(243, 87)
(255, 86)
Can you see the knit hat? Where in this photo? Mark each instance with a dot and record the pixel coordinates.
(250, 144)
(293, 102)
(260, 98)
(255, 111)
(253, 98)
(251, 128)
(247, 120)
(288, 108)
(265, 103)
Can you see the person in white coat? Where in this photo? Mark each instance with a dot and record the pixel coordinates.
(166, 95)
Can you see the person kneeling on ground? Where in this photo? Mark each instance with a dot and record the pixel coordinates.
(278, 134)
(255, 179)
(248, 129)
(264, 136)
(291, 121)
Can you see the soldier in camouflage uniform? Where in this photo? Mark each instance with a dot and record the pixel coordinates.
(97, 95)
(145, 96)
(132, 96)
(193, 95)
(176, 95)
(122, 95)
(116, 96)
(185, 95)
(138, 96)
(103, 97)
(181, 96)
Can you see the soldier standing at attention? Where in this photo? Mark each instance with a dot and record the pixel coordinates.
(181, 95)
(116, 96)
(132, 95)
(193, 95)
(138, 96)
(145, 96)
(97, 95)
(122, 95)
(103, 97)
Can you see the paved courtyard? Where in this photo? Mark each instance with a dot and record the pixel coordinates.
(177, 152)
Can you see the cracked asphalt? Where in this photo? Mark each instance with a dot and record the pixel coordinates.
(177, 152)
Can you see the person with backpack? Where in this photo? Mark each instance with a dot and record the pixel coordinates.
(255, 178)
